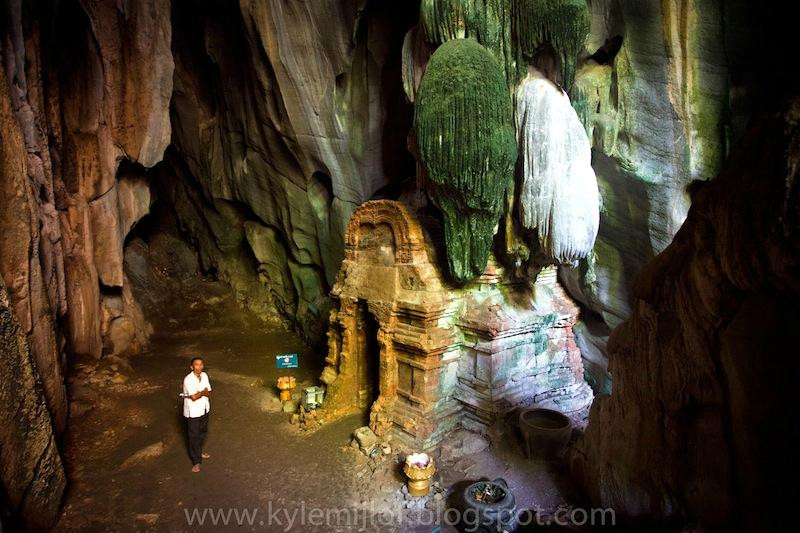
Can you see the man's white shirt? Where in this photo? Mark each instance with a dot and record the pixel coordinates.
(192, 385)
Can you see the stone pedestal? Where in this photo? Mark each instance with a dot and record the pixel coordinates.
(519, 350)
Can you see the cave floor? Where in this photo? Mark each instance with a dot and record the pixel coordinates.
(129, 470)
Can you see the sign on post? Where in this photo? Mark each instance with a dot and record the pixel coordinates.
(286, 360)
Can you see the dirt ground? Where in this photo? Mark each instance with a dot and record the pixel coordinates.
(129, 469)
(127, 458)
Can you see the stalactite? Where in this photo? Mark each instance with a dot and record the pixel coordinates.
(559, 196)
(465, 136)
(562, 23)
(443, 20)
(486, 21)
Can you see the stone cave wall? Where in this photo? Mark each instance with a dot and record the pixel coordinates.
(286, 117)
(661, 111)
(700, 425)
(77, 98)
(699, 428)
(36, 473)
(658, 115)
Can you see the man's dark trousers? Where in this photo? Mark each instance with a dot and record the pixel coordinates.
(198, 427)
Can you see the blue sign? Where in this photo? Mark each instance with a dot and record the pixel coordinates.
(286, 360)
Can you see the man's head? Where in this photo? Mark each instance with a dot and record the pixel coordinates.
(197, 365)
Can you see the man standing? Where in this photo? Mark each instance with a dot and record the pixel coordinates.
(196, 406)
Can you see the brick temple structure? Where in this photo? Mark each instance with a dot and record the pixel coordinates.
(426, 357)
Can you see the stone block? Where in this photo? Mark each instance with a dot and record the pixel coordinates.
(366, 437)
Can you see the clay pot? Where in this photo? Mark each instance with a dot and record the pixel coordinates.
(419, 470)
(546, 432)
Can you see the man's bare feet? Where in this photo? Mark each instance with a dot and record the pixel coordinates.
(205, 455)
(196, 468)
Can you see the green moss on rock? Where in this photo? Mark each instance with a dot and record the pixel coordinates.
(511, 29)
(562, 23)
(486, 21)
(465, 135)
(444, 20)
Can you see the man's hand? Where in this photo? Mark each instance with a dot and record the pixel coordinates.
(197, 395)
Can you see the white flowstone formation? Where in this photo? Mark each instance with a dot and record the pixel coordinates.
(559, 196)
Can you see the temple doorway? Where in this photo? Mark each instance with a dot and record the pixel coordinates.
(368, 358)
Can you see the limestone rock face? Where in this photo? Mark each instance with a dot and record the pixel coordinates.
(83, 87)
(29, 260)
(86, 96)
(286, 116)
(655, 114)
(694, 427)
(31, 472)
